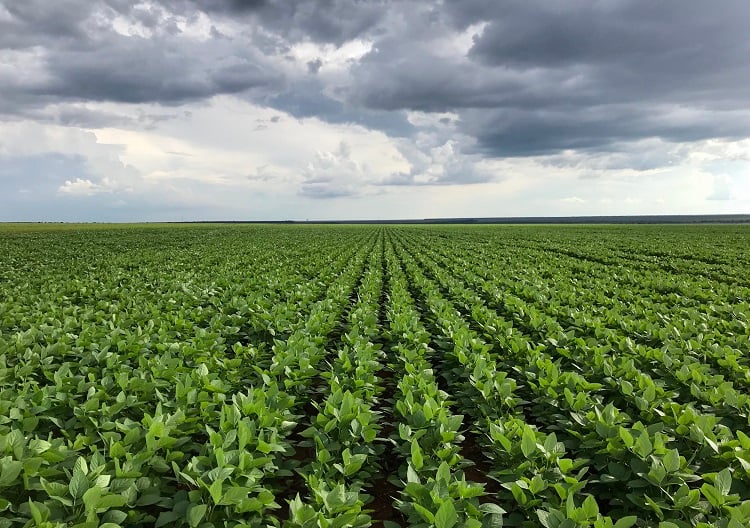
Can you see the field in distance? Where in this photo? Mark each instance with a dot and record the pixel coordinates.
(374, 375)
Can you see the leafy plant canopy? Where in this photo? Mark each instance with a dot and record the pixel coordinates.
(303, 376)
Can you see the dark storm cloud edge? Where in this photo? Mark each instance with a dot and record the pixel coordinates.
(537, 79)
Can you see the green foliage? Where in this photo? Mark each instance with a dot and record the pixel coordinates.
(308, 376)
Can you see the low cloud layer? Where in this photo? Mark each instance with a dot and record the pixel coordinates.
(320, 105)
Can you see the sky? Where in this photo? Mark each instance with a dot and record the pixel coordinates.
(172, 110)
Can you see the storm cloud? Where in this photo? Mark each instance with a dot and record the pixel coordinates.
(456, 89)
(540, 77)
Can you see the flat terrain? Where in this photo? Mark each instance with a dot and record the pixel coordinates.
(426, 375)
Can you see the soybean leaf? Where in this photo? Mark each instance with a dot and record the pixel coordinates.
(446, 515)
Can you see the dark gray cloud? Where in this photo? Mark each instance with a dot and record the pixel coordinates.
(136, 70)
(529, 132)
(541, 77)
(665, 38)
(314, 66)
(80, 51)
(626, 52)
(307, 98)
(76, 52)
(522, 78)
(142, 75)
(36, 22)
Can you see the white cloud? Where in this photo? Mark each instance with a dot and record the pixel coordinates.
(82, 187)
(435, 160)
(333, 58)
(334, 174)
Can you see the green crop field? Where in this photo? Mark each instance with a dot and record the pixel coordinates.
(351, 376)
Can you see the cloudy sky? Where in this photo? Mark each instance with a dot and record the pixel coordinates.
(297, 109)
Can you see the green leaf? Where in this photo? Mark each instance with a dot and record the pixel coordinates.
(550, 442)
(195, 514)
(424, 512)
(234, 495)
(443, 473)
(671, 461)
(335, 498)
(111, 501)
(590, 507)
(38, 446)
(324, 456)
(355, 463)
(537, 484)
(518, 494)
(498, 436)
(446, 515)
(626, 522)
(412, 475)
(713, 495)
(167, 517)
(528, 442)
(643, 445)
(263, 446)
(492, 508)
(55, 490)
(115, 516)
(81, 466)
(215, 490)
(544, 518)
(9, 471)
(91, 498)
(723, 482)
(79, 484)
(626, 437)
(416, 455)
(39, 512)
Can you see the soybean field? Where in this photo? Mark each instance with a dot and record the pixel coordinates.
(337, 376)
